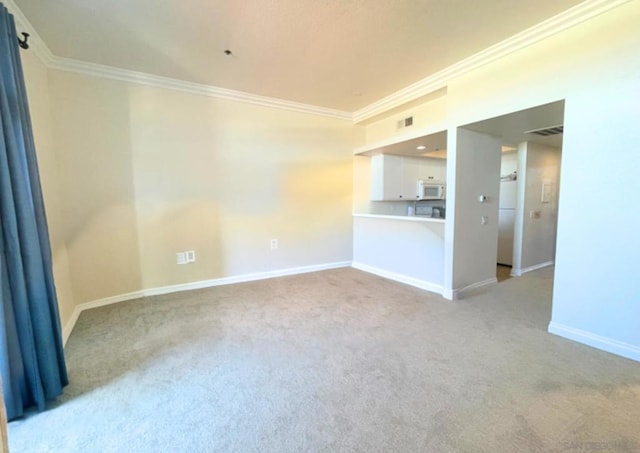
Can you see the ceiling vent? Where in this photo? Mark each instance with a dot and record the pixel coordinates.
(553, 130)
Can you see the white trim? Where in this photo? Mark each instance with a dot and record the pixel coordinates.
(596, 341)
(245, 278)
(52, 61)
(455, 294)
(560, 22)
(404, 218)
(66, 332)
(422, 284)
(515, 272)
(124, 75)
(567, 19)
(68, 327)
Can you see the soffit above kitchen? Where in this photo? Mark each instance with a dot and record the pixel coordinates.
(338, 54)
(521, 126)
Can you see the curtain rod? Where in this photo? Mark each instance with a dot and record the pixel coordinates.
(23, 42)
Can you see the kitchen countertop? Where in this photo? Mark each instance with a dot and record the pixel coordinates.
(413, 218)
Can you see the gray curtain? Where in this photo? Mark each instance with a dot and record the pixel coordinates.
(31, 352)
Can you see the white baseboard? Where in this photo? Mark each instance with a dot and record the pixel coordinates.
(459, 293)
(244, 278)
(66, 331)
(422, 284)
(515, 272)
(68, 327)
(596, 341)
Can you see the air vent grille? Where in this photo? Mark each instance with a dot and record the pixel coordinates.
(405, 122)
(554, 130)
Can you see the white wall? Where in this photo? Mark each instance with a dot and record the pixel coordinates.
(593, 66)
(37, 84)
(596, 293)
(426, 114)
(471, 247)
(224, 178)
(409, 250)
(147, 172)
(535, 237)
(92, 133)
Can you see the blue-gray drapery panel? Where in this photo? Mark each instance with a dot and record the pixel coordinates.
(31, 352)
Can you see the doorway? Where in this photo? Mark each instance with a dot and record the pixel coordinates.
(529, 186)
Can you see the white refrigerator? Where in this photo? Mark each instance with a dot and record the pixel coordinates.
(506, 221)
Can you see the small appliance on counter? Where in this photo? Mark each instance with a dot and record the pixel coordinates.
(437, 212)
(426, 211)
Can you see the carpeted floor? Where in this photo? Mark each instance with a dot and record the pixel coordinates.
(336, 361)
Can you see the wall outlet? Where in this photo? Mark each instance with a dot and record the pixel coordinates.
(274, 244)
(186, 257)
(484, 220)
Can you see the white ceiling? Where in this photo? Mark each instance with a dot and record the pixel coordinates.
(317, 52)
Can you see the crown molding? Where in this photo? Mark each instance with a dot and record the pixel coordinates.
(556, 24)
(124, 75)
(51, 61)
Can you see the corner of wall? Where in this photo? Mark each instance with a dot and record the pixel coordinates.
(38, 91)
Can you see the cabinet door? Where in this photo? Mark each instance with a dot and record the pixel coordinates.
(386, 178)
(432, 169)
(410, 176)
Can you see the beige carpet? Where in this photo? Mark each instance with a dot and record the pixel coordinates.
(336, 361)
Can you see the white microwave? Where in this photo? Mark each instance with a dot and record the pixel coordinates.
(430, 190)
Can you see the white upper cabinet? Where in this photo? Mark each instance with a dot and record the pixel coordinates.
(386, 177)
(432, 169)
(410, 176)
(396, 177)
